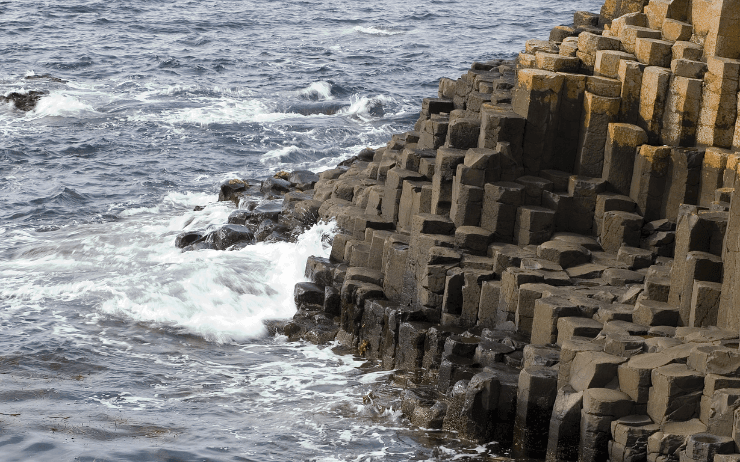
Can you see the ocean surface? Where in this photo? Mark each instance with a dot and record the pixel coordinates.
(114, 345)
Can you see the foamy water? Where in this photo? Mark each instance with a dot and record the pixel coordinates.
(317, 90)
(60, 104)
(116, 345)
(375, 30)
(131, 269)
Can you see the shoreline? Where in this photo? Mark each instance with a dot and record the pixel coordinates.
(547, 256)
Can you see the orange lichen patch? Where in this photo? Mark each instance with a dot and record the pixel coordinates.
(716, 158)
(363, 347)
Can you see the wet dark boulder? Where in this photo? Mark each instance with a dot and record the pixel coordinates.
(294, 330)
(461, 345)
(230, 190)
(239, 217)
(24, 101)
(332, 301)
(275, 186)
(321, 334)
(291, 224)
(298, 216)
(228, 235)
(187, 238)
(265, 228)
(267, 211)
(452, 369)
(240, 245)
(271, 231)
(303, 179)
(320, 270)
(308, 295)
(311, 326)
(412, 398)
(476, 419)
(430, 417)
(306, 212)
(199, 245)
(279, 236)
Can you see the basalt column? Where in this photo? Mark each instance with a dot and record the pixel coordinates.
(536, 97)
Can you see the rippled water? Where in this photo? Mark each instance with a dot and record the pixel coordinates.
(113, 344)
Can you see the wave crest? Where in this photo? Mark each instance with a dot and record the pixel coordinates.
(60, 105)
(367, 107)
(375, 30)
(317, 91)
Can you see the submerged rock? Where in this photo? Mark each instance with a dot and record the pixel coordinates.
(199, 245)
(187, 238)
(49, 77)
(24, 101)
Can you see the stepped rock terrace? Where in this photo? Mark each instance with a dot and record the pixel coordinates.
(551, 253)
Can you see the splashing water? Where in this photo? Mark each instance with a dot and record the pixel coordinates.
(131, 268)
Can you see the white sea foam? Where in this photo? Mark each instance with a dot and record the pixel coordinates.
(375, 30)
(219, 105)
(132, 269)
(59, 104)
(176, 199)
(21, 91)
(366, 108)
(197, 93)
(278, 159)
(222, 111)
(318, 90)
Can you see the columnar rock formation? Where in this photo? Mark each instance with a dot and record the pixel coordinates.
(553, 250)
